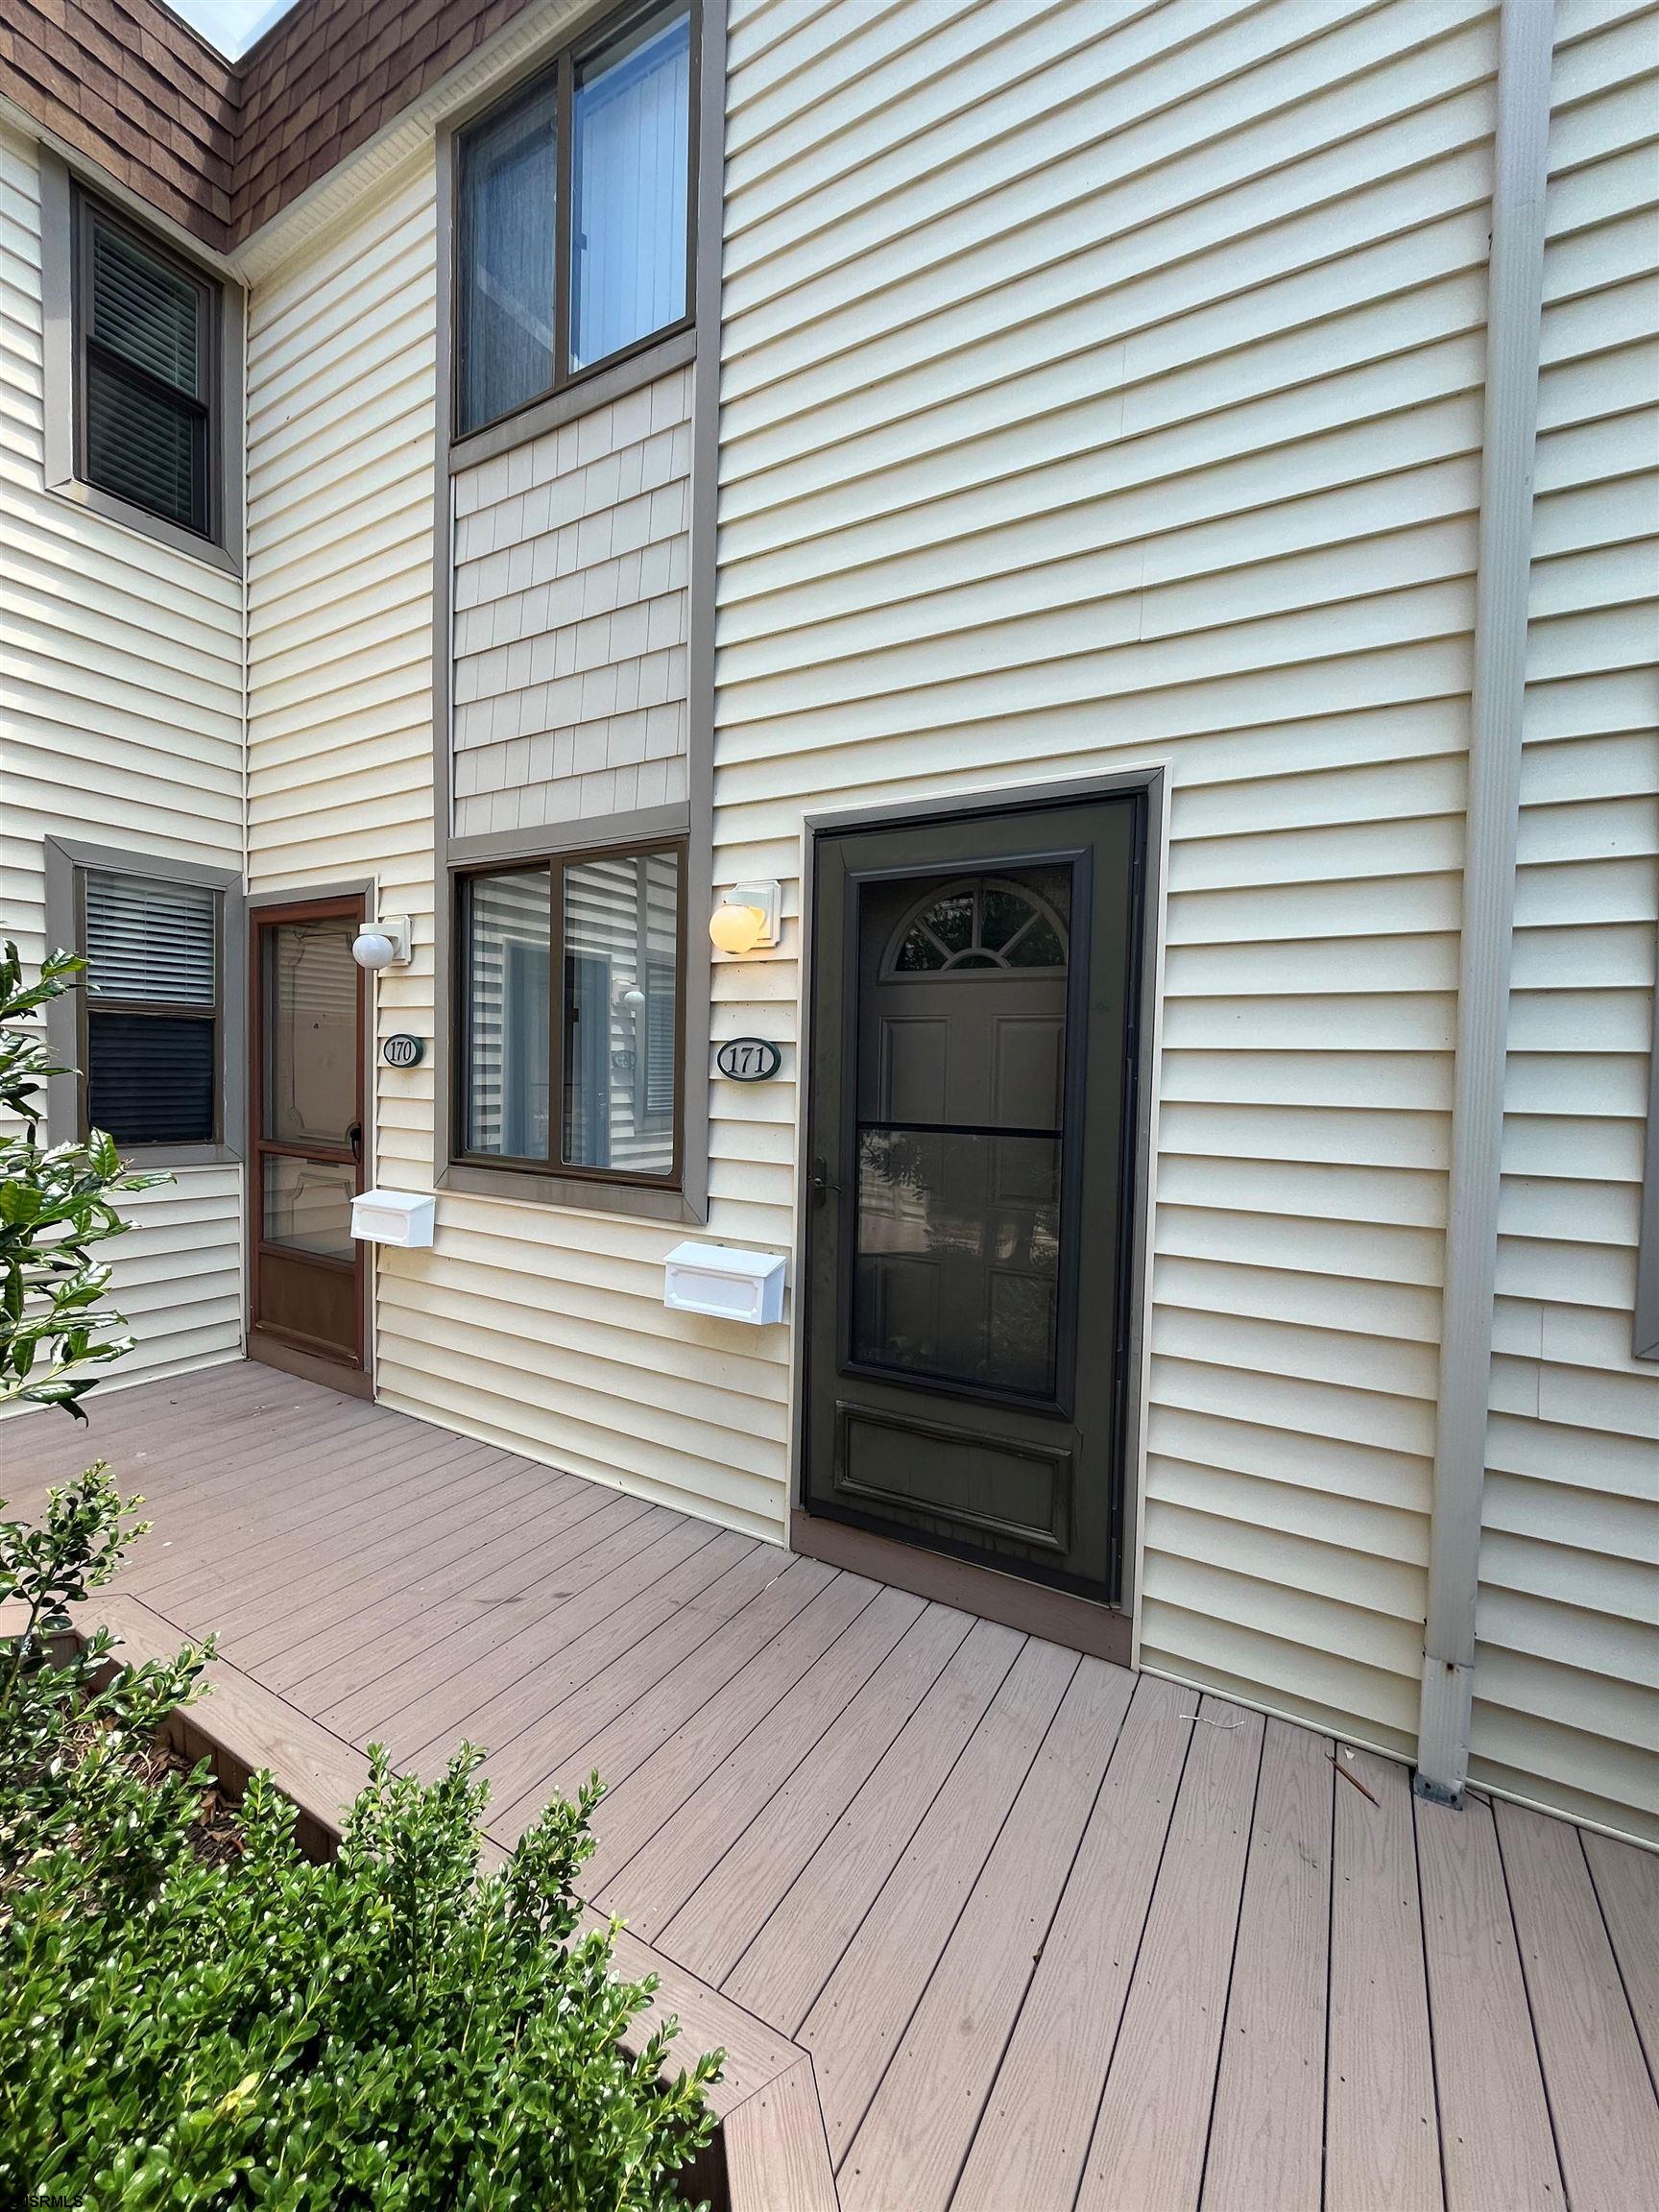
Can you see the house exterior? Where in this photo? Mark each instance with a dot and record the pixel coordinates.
(1110, 550)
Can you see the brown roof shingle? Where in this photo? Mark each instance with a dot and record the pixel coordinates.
(220, 146)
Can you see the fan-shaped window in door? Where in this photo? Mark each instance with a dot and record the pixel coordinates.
(982, 923)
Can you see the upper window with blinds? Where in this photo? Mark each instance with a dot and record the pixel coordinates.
(151, 1008)
(573, 230)
(146, 347)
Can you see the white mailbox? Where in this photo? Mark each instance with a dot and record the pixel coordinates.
(719, 1280)
(392, 1217)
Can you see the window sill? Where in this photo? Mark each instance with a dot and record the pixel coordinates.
(144, 1157)
(658, 359)
(95, 500)
(574, 1194)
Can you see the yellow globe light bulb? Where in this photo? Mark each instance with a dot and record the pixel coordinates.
(736, 929)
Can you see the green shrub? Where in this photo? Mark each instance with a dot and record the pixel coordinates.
(392, 2029)
(386, 2030)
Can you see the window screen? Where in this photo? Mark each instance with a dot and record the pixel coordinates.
(508, 184)
(145, 329)
(571, 249)
(151, 1008)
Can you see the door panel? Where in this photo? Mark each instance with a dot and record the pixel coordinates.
(306, 1273)
(972, 998)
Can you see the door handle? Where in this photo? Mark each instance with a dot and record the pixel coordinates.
(355, 1138)
(822, 1183)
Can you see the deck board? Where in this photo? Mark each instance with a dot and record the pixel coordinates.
(735, 1891)
(1381, 2130)
(1600, 2092)
(1035, 2132)
(1149, 2138)
(987, 1925)
(1267, 2132)
(1626, 1883)
(915, 2137)
(1497, 2146)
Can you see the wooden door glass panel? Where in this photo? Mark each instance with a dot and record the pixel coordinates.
(312, 1056)
(309, 1206)
(960, 1084)
(306, 1292)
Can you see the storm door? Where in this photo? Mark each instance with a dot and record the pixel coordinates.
(967, 1246)
(307, 1134)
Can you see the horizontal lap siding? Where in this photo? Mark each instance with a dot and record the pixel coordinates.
(1567, 1678)
(537, 1327)
(1096, 395)
(342, 359)
(121, 724)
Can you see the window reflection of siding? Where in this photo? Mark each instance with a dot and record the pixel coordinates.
(509, 1064)
(620, 913)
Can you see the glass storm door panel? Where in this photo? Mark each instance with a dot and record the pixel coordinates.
(307, 1103)
(972, 1057)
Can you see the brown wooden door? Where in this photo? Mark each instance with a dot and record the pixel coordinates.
(306, 1102)
(971, 1091)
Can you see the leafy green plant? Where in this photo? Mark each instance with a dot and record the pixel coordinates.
(57, 1202)
(393, 2030)
(390, 2029)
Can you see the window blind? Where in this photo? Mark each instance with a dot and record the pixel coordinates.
(631, 170)
(144, 376)
(152, 952)
(660, 1037)
(151, 941)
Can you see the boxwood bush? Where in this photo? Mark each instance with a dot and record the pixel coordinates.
(222, 2022)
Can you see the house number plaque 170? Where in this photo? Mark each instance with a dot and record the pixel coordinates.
(748, 1059)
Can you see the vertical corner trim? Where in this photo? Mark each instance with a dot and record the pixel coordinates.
(1514, 315)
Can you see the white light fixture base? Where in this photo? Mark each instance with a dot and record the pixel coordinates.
(387, 942)
(765, 899)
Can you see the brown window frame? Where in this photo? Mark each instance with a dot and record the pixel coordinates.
(87, 209)
(554, 866)
(142, 1148)
(562, 70)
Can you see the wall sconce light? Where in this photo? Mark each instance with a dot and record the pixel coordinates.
(746, 919)
(384, 944)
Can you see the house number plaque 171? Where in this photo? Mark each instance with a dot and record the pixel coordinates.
(748, 1059)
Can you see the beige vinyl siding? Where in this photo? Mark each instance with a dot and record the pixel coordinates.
(535, 1326)
(1099, 394)
(1567, 1675)
(342, 347)
(121, 725)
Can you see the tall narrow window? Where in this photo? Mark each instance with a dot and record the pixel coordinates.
(573, 996)
(151, 1008)
(572, 233)
(145, 339)
(509, 183)
(632, 158)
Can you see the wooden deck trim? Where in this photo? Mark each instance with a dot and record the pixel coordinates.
(782, 2162)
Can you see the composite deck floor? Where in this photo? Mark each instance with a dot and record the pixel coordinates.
(1054, 1935)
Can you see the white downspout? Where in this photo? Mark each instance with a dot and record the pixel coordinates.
(1513, 315)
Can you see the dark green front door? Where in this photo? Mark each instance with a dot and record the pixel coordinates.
(971, 1099)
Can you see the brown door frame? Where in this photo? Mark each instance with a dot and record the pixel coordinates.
(1082, 1624)
(347, 902)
